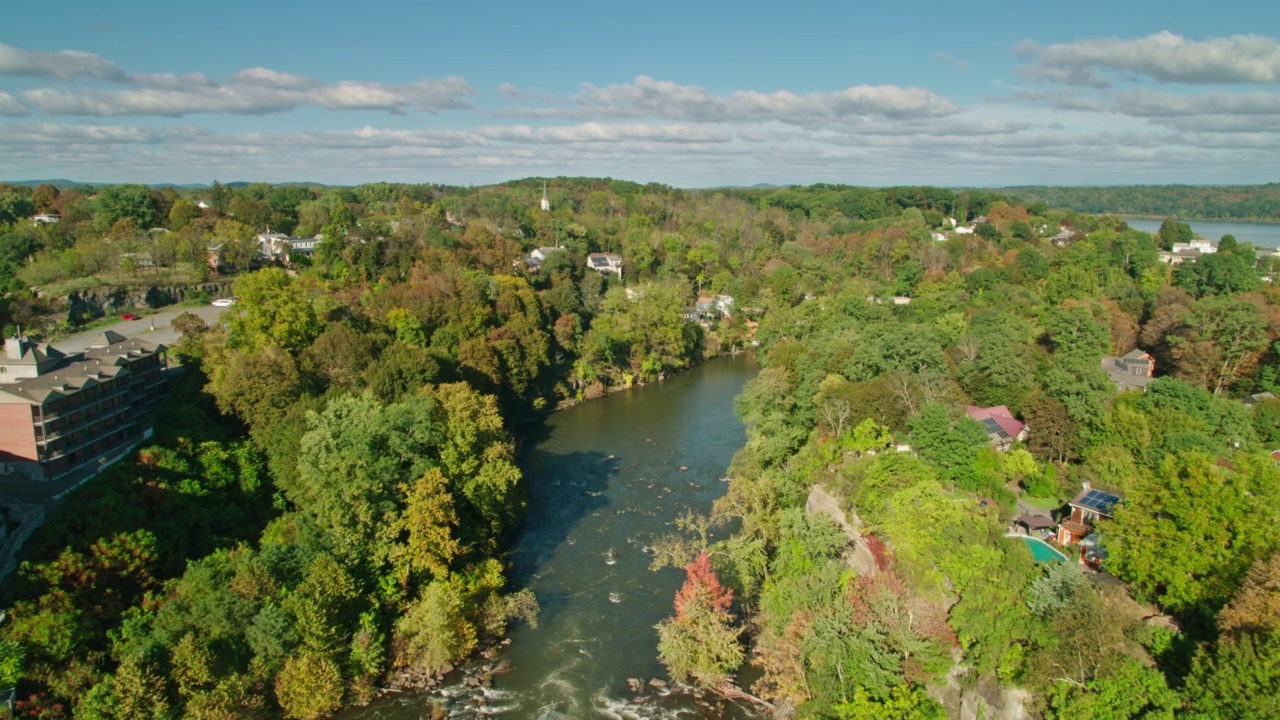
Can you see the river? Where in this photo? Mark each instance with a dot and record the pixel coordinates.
(1263, 235)
(605, 478)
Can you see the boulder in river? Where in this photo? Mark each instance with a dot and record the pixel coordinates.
(657, 683)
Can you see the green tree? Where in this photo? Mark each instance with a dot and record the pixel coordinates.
(433, 633)
(124, 202)
(1217, 274)
(1171, 231)
(182, 213)
(1189, 533)
(309, 686)
(950, 442)
(272, 308)
(700, 643)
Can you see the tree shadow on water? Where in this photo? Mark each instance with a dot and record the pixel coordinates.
(562, 490)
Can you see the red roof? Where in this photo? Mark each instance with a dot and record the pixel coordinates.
(1000, 414)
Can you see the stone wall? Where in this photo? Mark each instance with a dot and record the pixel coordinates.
(96, 302)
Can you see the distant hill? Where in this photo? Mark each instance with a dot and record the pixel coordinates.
(63, 183)
(60, 183)
(1257, 203)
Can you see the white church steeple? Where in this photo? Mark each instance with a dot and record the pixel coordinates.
(546, 204)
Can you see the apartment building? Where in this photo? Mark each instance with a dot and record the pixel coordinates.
(59, 412)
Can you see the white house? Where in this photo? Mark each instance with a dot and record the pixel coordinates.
(605, 263)
(45, 218)
(1204, 246)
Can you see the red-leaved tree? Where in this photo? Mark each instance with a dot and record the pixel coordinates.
(700, 643)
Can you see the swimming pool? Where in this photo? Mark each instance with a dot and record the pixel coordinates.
(1041, 551)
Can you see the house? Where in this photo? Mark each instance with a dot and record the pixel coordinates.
(1034, 525)
(1087, 508)
(278, 246)
(1275, 455)
(1183, 252)
(1254, 399)
(1131, 371)
(46, 219)
(1179, 257)
(965, 229)
(937, 236)
(302, 245)
(533, 261)
(1204, 247)
(605, 263)
(204, 204)
(213, 256)
(1065, 236)
(714, 307)
(271, 245)
(60, 412)
(892, 299)
(1003, 429)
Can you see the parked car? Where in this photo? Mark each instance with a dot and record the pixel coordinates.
(129, 316)
(224, 302)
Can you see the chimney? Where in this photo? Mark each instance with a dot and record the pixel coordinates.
(13, 348)
(1086, 485)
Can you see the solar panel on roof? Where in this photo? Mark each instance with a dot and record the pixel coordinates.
(1098, 500)
(993, 428)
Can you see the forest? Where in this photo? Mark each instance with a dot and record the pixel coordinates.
(1253, 203)
(225, 574)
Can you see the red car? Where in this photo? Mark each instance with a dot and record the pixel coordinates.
(129, 316)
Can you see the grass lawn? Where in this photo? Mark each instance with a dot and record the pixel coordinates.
(1043, 503)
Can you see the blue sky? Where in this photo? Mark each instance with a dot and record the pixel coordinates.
(691, 94)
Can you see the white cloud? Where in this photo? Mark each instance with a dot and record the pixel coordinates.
(264, 77)
(1163, 57)
(607, 133)
(9, 106)
(24, 134)
(253, 92)
(647, 97)
(61, 65)
(1150, 103)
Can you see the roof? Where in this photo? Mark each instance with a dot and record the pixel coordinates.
(100, 363)
(1099, 501)
(1135, 354)
(603, 259)
(1122, 376)
(1036, 522)
(1257, 398)
(996, 420)
(27, 352)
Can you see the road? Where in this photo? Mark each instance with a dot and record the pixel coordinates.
(152, 328)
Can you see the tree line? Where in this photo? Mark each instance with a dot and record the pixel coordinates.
(398, 356)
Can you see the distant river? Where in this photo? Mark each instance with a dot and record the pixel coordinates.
(604, 480)
(1260, 234)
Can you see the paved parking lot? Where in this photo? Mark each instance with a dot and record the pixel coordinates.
(152, 328)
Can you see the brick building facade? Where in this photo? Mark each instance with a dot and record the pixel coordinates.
(59, 412)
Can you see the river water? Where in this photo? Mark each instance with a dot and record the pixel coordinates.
(1263, 235)
(605, 479)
